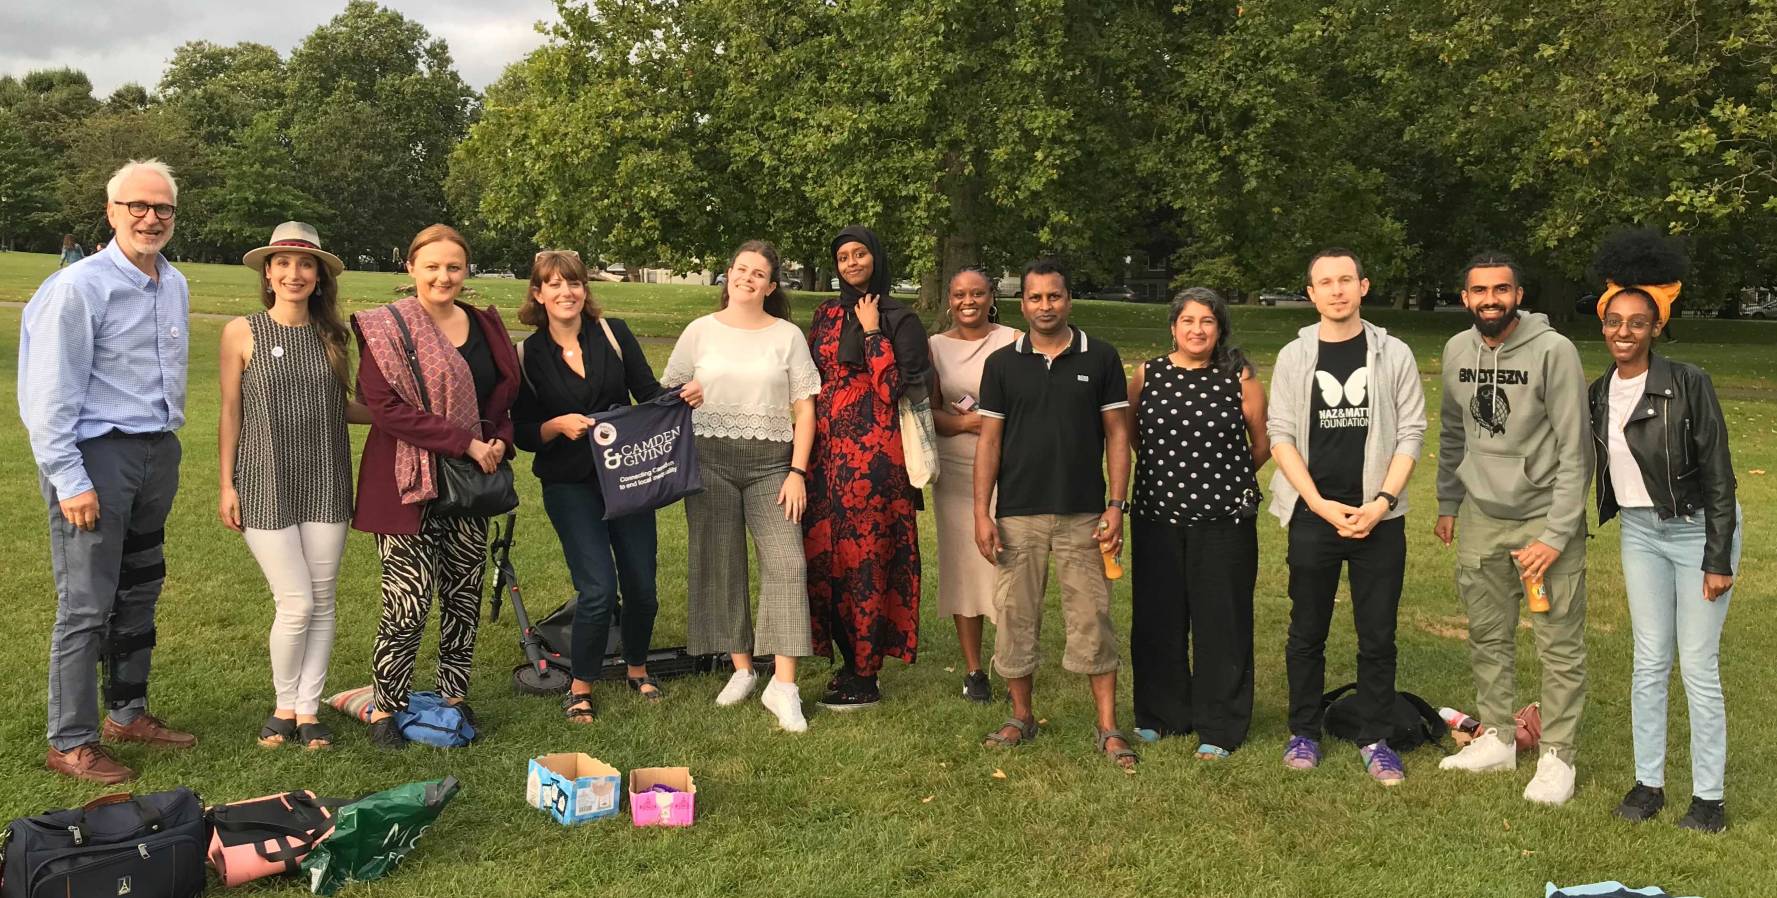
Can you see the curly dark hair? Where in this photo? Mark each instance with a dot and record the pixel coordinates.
(1641, 256)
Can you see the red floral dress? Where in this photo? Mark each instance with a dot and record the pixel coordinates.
(860, 529)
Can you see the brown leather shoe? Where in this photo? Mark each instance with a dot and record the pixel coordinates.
(149, 730)
(89, 762)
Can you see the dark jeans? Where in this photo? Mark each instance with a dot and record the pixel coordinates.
(1193, 586)
(601, 555)
(1377, 563)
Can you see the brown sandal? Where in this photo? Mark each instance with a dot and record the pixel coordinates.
(1124, 757)
(1027, 730)
(579, 708)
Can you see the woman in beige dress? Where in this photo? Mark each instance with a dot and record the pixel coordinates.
(965, 579)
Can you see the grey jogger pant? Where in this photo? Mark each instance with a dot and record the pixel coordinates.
(107, 584)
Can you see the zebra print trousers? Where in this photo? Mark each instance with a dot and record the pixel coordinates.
(444, 556)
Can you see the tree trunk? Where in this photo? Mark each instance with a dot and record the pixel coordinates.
(958, 246)
(1551, 292)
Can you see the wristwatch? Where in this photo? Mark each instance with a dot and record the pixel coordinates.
(1388, 497)
(1118, 504)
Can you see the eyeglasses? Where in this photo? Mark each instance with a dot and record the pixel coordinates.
(1635, 323)
(162, 211)
(572, 254)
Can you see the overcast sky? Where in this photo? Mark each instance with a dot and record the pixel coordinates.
(114, 47)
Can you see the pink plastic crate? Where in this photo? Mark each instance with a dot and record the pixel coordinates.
(648, 808)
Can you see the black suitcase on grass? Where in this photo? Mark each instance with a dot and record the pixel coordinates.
(149, 846)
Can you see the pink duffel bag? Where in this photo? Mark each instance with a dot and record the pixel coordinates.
(267, 836)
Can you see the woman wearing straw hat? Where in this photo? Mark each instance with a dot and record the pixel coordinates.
(286, 467)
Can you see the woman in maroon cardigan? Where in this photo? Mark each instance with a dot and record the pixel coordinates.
(469, 370)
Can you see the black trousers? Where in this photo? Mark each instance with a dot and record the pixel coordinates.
(1377, 563)
(1194, 580)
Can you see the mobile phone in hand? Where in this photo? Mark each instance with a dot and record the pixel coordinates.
(964, 405)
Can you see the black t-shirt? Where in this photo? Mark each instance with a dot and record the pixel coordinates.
(475, 351)
(1339, 413)
(1052, 451)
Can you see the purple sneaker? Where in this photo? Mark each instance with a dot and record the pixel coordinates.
(1302, 753)
(1383, 764)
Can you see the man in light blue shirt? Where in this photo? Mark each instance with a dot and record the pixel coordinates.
(102, 368)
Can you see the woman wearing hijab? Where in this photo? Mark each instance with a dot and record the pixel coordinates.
(1665, 472)
(860, 535)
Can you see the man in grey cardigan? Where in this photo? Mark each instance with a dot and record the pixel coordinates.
(1347, 420)
(1514, 461)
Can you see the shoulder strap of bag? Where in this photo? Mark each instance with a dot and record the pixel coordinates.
(606, 326)
(1333, 696)
(1429, 722)
(521, 369)
(413, 358)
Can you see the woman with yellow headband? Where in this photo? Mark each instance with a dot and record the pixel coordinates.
(1664, 470)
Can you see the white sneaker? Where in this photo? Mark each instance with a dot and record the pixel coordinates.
(1483, 755)
(1553, 783)
(739, 687)
(785, 701)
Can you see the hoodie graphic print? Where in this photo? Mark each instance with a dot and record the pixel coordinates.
(1514, 429)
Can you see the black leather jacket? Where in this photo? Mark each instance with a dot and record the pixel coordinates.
(1680, 441)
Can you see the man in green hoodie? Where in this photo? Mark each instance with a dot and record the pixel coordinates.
(1514, 462)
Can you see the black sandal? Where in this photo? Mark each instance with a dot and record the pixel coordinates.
(276, 731)
(578, 707)
(1027, 730)
(315, 736)
(638, 686)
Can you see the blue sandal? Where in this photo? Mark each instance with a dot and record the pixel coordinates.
(1208, 752)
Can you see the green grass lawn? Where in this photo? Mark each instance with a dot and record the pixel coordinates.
(901, 800)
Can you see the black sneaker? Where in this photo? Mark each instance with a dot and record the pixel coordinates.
(1705, 816)
(386, 734)
(851, 693)
(976, 687)
(1642, 803)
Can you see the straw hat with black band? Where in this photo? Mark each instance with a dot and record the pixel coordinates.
(293, 237)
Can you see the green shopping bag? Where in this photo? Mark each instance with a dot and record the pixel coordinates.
(372, 835)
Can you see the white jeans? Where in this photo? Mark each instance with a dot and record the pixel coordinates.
(301, 564)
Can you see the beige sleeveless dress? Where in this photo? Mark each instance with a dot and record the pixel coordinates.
(965, 579)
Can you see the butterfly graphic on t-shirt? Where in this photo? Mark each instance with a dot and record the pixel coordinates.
(1352, 390)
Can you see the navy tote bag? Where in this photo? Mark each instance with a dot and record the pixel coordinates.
(644, 455)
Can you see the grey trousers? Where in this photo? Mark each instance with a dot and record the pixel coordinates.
(107, 584)
(741, 479)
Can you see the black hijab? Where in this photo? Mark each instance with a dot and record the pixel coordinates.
(900, 326)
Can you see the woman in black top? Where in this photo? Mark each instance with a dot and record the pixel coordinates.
(1199, 422)
(576, 366)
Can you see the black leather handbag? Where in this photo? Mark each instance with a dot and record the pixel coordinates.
(464, 489)
(146, 846)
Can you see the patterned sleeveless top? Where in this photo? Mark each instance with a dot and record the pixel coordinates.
(294, 461)
(1193, 461)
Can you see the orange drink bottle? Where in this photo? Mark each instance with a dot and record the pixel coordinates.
(1112, 570)
(1536, 597)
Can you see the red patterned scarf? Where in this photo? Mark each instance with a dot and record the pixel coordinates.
(449, 385)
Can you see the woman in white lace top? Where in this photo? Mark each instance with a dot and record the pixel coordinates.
(747, 371)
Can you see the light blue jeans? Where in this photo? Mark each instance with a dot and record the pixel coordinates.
(1662, 570)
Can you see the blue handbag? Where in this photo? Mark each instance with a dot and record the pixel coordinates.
(645, 456)
(429, 720)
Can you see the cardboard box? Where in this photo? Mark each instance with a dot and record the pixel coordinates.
(648, 808)
(573, 787)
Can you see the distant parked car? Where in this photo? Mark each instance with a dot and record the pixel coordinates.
(1116, 294)
(1010, 285)
(1271, 296)
(1586, 305)
(1762, 310)
(904, 286)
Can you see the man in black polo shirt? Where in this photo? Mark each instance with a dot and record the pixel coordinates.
(1051, 409)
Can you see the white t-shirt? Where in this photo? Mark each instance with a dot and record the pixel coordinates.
(1625, 474)
(750, 378)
